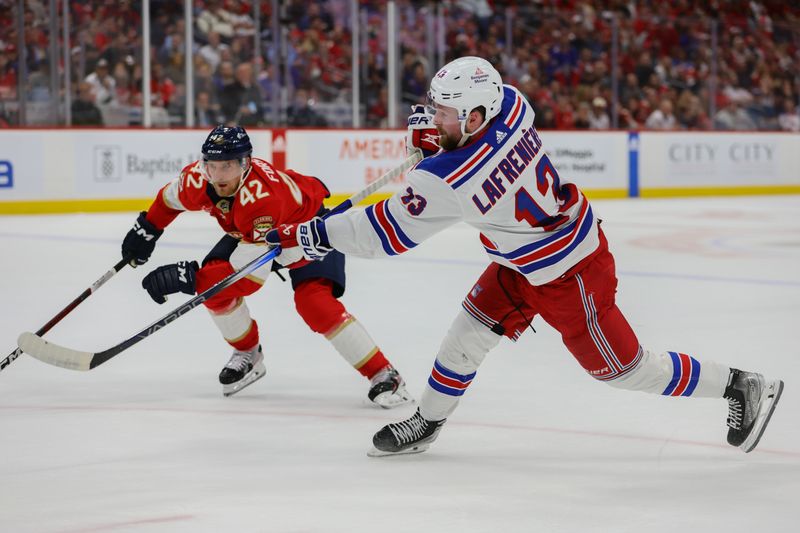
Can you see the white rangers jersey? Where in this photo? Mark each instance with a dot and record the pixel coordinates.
(502, 183)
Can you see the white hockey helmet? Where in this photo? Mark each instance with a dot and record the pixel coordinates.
(467, 83)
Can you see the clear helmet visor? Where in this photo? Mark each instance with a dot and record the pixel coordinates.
(443, 115)
(227, 171)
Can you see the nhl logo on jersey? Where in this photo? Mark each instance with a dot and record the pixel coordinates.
(224, 206)
(261, 226)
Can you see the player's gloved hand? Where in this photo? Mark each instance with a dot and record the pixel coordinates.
(311, 237)
(422, 135)
(169, 279)
(140, 241)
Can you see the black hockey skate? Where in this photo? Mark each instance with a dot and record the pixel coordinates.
(414, 435)
(242, 369)
(388, 389)
(751, 401)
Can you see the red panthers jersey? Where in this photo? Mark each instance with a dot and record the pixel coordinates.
(266, 198)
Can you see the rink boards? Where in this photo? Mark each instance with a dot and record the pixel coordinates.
(51, 171)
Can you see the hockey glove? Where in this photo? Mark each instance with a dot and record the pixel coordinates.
(310, 236)
(422, 135)
(140, 241)
(169, 279)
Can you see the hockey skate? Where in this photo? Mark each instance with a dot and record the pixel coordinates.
(242, 370)
(388, 389)
(751, 401)
(414, 435)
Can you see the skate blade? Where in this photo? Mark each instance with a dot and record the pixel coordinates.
(389, 399)
(772, 394)
(419, 448)
(254, 375)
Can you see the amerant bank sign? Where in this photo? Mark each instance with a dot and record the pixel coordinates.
(346, 160)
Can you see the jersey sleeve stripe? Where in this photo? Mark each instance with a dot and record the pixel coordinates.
(379, 231)
(408, 243)
(393, 239)
(388, 229)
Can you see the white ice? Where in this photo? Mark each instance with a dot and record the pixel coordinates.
(147, 443)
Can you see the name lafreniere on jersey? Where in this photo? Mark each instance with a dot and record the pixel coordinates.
(511, 167)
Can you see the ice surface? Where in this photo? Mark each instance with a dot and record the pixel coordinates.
(146, 442)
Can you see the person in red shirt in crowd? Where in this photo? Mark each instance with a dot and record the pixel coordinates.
(248, 196)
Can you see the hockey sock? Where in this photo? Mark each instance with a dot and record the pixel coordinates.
(462, 351)
(675, 374)
(355, 345)
(236, 326)
(326, 315)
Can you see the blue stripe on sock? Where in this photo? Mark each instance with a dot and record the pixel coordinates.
(452, 375)
(694, 379)
(676, 374)
(444, 389)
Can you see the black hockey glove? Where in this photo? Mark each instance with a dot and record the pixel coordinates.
(169, 279)
(140, 241)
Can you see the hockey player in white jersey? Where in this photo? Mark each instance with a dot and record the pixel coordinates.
(549, 257)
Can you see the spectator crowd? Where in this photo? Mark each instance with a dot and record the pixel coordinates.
(635, 64)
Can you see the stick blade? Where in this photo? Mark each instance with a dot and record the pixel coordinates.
(53, 354)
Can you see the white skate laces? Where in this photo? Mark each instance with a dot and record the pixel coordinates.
(751, 402)
(242, 369)
(413, 435)
(409, 430)
(240, 361)
(734, 413)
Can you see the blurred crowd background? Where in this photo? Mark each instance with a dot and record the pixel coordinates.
(669, 65)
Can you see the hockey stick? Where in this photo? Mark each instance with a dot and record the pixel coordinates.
(53, 354)
(68, 309)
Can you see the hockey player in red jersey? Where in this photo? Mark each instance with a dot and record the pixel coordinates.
(549, 257)
(248, 196)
